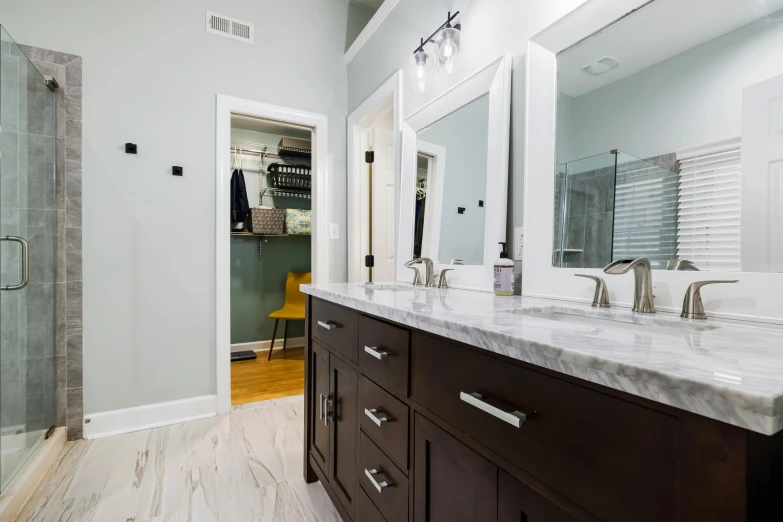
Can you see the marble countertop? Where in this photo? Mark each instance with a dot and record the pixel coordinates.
(731, 371)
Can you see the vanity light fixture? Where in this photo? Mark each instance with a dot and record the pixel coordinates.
(448, 46)
(422, 64)
(446, 40)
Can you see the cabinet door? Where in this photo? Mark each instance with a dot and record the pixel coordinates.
(452, 483)
(319, 362)
(517, 502)
(343, 432)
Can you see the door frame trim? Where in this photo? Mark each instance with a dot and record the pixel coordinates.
(318, 123)
(389, 92)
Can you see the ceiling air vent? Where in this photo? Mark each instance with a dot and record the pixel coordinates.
(230, 27)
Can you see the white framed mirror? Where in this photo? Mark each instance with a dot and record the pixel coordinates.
(454, 179)
(649, 133)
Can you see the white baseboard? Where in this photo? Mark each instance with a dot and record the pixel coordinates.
(116, 422)
(262, 346)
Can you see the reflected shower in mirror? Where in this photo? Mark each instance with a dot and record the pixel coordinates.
(451, 186)
(670, 143)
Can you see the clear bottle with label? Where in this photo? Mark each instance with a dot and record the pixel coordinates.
(504, 273)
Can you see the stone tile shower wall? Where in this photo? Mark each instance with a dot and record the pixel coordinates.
(598, 228)
(67, 70)
(27, 369)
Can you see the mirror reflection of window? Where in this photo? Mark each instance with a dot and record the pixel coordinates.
(456, 145)
(669, 143)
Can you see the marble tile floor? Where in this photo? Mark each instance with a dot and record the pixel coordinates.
(237, 467)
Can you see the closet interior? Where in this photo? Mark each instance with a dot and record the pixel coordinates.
(271, 221)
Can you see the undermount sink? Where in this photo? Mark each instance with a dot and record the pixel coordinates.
(390, 287)
(647, 324)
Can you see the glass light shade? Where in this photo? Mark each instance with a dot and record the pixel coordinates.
(421, 71)
(448, 50)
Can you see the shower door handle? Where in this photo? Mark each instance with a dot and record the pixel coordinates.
(25, 262)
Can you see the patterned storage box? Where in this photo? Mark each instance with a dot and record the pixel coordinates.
(298, 222)
(267, 220)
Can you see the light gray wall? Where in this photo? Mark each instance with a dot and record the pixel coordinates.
(151, 74)
(463, 134)
(358, 17)
(489, 29)
(694, 98)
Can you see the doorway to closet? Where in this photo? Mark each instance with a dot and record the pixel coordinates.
(270, 256)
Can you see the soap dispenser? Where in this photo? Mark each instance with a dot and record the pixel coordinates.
(504, 273)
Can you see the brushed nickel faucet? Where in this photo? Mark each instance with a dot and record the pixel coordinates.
(601, 297)
(692, 305)
(429, 277)
(442, 282)
(643, 302)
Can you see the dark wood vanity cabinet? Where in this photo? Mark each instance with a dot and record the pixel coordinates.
(452, 483)
(334, 423)
(406, 426)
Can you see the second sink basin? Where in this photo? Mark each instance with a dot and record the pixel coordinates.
(620, 319)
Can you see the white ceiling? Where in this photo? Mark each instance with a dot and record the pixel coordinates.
(250, 123)
(658, 31)
(372, 4)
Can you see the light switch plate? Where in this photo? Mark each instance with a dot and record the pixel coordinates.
(334, 231)
(519, 243)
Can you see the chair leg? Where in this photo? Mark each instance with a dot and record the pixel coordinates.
(271, 346)
(285, 335)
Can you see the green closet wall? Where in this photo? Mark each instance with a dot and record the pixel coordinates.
(258, 286)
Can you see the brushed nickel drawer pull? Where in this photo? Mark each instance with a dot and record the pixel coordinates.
(321, 398)
(515, 418)
(377, 420)
(372, 350)
(327, 406)
(327, 325)
(378, 485)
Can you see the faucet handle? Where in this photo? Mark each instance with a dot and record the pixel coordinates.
(416, 275)
(601, 297)
(692, 305)
(442, 283)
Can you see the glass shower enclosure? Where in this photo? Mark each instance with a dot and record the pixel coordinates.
(613, 206)
(28, 219)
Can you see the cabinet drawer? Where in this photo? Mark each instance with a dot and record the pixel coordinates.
(383, 352)
(392, 499)
(392, 434)
(367, 510)
(612, 457)
(336, 327)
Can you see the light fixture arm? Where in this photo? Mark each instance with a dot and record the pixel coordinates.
(451, 17)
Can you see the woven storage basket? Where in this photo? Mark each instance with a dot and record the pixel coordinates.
(267, 220)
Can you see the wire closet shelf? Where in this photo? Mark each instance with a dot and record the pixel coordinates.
(262, 149)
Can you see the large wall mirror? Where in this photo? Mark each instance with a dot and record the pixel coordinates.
(669, 139)
(454, 179)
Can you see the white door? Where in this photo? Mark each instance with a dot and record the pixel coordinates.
(762, 176)
(381, 137)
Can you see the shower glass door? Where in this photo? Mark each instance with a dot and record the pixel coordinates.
(27, 258)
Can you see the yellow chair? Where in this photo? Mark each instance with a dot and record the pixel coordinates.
(294, 306)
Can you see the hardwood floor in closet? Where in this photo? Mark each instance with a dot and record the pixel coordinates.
(243, 466)
(262, 380)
